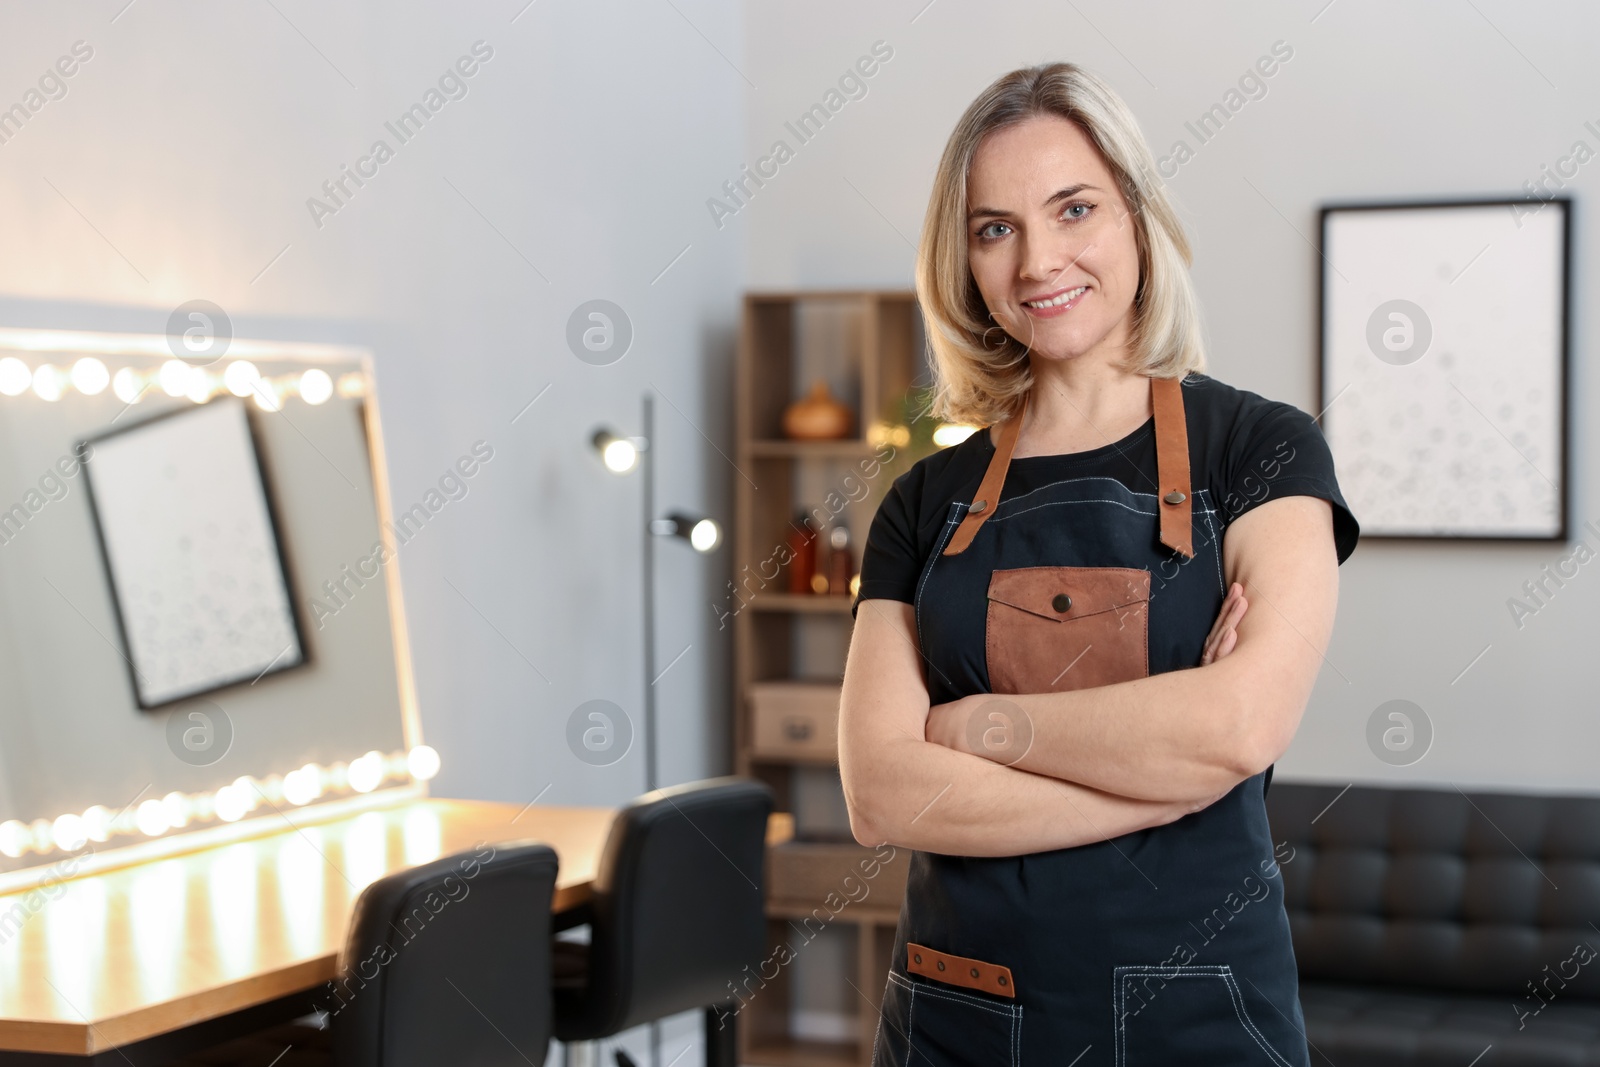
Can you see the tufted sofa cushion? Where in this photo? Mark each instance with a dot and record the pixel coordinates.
(1432, 922)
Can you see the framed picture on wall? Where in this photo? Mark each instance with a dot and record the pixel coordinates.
(1444, 366)
(192, 552)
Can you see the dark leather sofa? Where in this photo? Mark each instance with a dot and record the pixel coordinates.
(1436, 927)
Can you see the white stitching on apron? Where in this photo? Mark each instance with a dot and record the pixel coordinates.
(1223, 971)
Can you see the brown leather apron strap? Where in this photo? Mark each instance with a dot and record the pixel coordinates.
(959, 970)
(994, 479)
(1172, 471)
(1172, 465)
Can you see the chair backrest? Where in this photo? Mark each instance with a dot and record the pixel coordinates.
(1484, 892)
(449, 962)
(680, 901)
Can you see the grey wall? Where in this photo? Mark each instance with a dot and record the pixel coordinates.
(1385, 100)
(178, 166)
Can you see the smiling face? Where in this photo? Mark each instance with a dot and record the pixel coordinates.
(1050, 240)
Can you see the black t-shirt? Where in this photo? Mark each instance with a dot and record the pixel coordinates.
(1242, 447)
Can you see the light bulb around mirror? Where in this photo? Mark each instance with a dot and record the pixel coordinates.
(97, 822)
(177, 808)
(200, 386)
(315, 386)
(422, 763)
(266, 395)
(68, 833)
(125, 384)
(231, 805)
(174, 377)
(15, 377)
(240, 376)
(47, 384)
(15, 838)
(151, 818)
(366, 772)
(90, 377)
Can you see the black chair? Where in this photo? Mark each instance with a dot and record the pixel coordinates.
(449, 963)
(677, 915)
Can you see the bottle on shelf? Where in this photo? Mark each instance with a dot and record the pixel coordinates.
(841, 561)
(802, 553)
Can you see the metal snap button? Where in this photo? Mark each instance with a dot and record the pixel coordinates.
(1061, 602)
(940, 965)
(1174, 497)
(1004, 980)
(974, 972)
(979, 507)
(917, 957)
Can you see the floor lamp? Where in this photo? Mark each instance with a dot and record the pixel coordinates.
(622, 455)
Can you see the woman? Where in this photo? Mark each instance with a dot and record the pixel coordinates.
(1093, 879)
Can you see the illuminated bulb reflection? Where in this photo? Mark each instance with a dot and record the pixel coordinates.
(157, 900)
(423, 836)
(231, 878)
(300, 876)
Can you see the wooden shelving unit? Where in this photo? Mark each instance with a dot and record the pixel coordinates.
(868, 346)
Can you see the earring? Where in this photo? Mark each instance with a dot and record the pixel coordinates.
(990, 330)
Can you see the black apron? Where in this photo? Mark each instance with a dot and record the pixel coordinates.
(1159, 948)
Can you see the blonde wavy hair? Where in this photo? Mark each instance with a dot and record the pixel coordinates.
(982, 384)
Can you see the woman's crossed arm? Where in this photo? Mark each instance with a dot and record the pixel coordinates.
(1192, 733)
(903, 789)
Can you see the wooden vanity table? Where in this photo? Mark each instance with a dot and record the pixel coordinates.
(144, 963)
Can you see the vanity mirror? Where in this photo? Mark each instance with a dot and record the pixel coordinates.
(201, 629)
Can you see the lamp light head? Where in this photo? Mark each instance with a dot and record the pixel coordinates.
(619, 454)
(703, 534)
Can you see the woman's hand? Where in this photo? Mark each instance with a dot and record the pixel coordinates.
(1222, 638)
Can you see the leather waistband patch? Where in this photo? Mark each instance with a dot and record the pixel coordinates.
(960, 971)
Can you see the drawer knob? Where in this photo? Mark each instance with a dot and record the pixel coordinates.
(797, 729)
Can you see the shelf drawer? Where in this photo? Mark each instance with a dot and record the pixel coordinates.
(802, 875)
(795, 720)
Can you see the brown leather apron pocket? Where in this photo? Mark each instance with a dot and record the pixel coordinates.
(1054, 629)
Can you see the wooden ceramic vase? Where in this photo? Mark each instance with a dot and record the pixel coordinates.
(818, 416)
